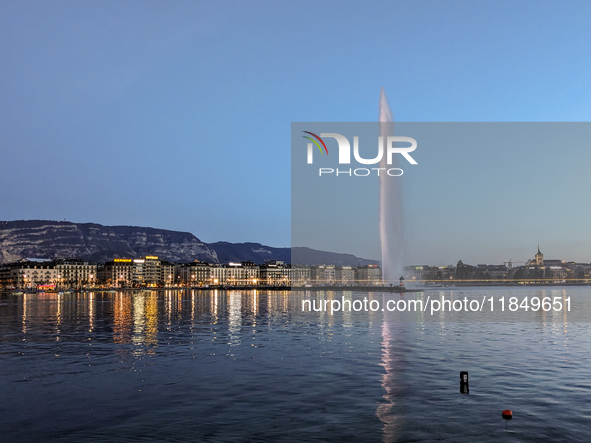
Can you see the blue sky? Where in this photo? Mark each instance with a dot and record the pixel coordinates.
(177, 114)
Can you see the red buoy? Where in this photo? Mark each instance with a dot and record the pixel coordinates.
(507, 414)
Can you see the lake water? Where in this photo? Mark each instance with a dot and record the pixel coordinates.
(250, 366)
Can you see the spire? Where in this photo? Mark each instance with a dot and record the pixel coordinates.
(539, 249)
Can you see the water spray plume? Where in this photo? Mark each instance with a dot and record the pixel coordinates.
(391, 219)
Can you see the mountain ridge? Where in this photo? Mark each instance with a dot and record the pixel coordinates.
(51, 239)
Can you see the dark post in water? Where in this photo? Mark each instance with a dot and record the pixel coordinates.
(464, 384)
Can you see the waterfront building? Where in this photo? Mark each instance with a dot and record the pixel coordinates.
(195, 274)
(245, 273)
(147, 271)
(346, 274)
(323, 274)
(369, 274)
(28, 274)
(167, 273)
(300, 275)
(492, 271)
(117, 273)
(556, 272)
(579, 270)
(151, 271)
(415, 272)
(275, 273)
(76, 272)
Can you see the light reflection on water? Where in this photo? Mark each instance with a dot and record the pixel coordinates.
(249, 365)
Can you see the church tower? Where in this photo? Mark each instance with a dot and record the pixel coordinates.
(539, 257)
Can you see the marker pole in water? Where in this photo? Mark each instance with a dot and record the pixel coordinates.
(464, 383)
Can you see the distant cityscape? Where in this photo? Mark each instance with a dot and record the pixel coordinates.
(536, 268)
(152, 272)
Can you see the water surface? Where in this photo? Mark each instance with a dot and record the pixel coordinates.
(242, 366)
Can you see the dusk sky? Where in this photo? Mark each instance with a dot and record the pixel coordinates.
(177, 115)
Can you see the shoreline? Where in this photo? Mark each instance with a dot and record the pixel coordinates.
(369, 288)
(394, 289)
(476, 283)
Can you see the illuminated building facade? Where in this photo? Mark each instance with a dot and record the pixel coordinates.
(245, 273)
(76, 272)
(150, 271)
(371, 274)
(346, 274)
(117, 273)
(275, 273)
(323, 274)
(195, 274)
(300, 275)
(28, 274)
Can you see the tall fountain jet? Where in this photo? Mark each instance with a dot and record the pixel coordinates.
(391, 228)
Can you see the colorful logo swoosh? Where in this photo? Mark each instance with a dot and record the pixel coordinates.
(318, 138)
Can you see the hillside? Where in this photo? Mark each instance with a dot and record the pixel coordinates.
(90, 241)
